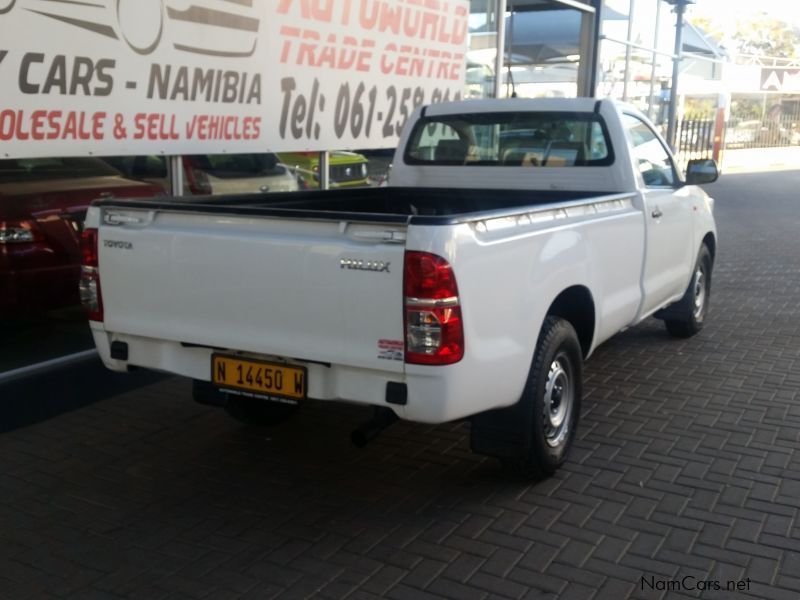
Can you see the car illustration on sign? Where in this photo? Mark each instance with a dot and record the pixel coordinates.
(225, 28)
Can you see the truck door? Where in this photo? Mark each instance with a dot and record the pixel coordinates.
(669, 248)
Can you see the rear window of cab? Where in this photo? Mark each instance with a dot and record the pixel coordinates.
(521, 139)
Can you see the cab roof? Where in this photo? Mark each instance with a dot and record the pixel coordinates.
(512, 105)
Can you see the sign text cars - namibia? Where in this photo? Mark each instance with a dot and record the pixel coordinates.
(122, 77)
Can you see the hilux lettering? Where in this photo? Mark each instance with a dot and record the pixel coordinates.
(365, 265)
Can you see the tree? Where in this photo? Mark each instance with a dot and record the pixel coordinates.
(758, 34)
(767, 36)
(709, 27)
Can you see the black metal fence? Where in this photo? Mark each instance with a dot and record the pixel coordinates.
(780, 131)
(695, 138)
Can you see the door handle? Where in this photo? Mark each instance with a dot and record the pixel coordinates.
(657, 214)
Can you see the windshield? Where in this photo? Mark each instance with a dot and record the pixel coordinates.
(38, 169)
(539, 139)
(234, 166)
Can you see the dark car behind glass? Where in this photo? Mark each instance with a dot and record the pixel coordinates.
(43, 202)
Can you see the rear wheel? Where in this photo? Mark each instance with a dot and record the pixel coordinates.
(685, 318)
(551, 400)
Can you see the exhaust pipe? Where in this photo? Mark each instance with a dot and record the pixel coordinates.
(366, 432)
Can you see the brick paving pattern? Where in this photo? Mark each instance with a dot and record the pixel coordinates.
(686, 464)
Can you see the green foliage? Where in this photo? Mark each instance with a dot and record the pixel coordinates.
(700, 108)
(760, 35)
(708, 27)
(746, 109)
(767, 36)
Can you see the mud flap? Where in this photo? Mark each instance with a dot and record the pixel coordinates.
(499, 433)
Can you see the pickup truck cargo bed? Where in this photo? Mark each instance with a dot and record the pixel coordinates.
(356, 203)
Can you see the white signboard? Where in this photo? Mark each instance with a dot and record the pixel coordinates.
(112, 77)
(780, 79)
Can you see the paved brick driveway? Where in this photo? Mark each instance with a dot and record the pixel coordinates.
(688, 464)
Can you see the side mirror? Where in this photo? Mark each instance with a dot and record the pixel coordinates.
(700, 171)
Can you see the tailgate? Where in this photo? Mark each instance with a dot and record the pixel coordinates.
(316, 290)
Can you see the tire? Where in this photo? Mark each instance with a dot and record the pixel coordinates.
(551, 401)
(686, 317)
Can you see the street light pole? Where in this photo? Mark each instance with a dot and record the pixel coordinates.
(680, 9)
(654, 66)
(500, 59)
(629, 39)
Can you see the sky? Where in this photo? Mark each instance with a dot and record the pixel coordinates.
(725, 12)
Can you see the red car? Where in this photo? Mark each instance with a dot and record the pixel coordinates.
(43, 202)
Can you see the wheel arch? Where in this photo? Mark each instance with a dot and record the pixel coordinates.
(576, 305)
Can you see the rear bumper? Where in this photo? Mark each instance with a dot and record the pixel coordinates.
(434, 394)
(334, 382)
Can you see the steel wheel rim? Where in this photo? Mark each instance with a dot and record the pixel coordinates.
(559, 395)
(700, 292)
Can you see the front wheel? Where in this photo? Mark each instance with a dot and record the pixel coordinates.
(685, 318)
(551, 400)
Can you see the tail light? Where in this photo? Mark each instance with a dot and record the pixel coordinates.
(301, 183)
(91, 298)
(198, 182)
(434, 328)
(19, 232)
(199, 185)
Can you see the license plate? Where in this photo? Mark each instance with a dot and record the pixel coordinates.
(258, 377)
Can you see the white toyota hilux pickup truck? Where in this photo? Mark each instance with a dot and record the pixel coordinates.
(514, 238)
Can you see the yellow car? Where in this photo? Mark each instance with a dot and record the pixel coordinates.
(347, 169)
